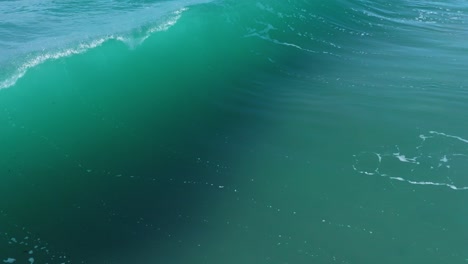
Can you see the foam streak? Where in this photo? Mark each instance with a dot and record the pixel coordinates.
(415, 163)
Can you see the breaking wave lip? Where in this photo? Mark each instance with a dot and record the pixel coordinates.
(84, 47)
(22, 70)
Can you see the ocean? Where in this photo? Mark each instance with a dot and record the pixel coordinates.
(200, 131)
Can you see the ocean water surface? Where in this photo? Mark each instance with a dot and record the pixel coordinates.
(199, 131)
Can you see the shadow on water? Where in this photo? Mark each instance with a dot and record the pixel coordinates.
(115, 151)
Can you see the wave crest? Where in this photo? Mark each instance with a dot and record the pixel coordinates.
(84, 47)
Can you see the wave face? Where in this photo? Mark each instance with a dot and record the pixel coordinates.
(198, 131)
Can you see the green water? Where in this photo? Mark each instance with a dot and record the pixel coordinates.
(234, 132)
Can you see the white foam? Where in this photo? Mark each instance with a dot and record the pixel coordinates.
(82, 48)
(423, 137)
(451, 186)
(9, 260)
(450, 136)
(401, 157)
(379, 156)
(21, 71)
(165, 26)
(31, 260)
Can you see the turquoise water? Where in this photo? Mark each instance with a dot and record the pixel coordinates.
(233, 131)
